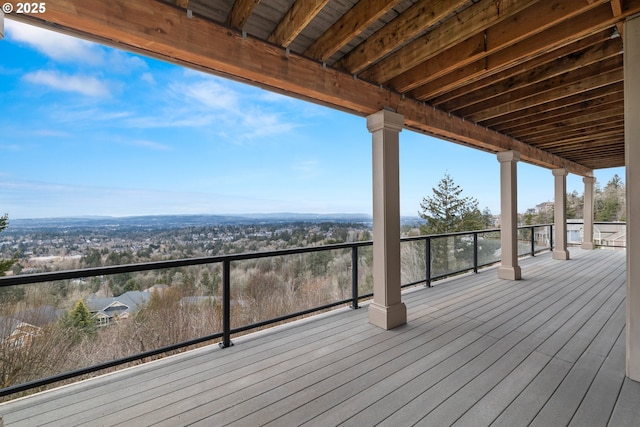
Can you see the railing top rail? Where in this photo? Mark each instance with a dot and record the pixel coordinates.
(185, 262)
(157, 265)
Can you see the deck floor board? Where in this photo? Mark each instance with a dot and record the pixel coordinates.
(546, 350)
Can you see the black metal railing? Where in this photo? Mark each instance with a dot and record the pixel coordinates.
(464, 252)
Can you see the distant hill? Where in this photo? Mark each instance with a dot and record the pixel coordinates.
(181, 221)
(177, 221)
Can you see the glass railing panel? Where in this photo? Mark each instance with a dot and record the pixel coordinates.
(451, 254)
(267, 288)
(413, 264)
(61, 326)
(488, 247)
(524, 241)
(542, 237)
(365, 270)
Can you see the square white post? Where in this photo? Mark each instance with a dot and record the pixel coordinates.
(587, 229)
(387, 310)
(560, 215)
(632, 162)
(509, 268)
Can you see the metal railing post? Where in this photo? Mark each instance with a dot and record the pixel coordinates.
(427, 257)
(226, 304)
(551, 237)
(475, 252)
(533, 241)
(354, 277)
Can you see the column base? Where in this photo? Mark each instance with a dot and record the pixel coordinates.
(510, 273)
(387, 317)
(588, 245)
(561, 255)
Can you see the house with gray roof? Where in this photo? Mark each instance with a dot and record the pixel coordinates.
(107, 310)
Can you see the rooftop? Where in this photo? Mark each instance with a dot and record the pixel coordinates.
(477, 350)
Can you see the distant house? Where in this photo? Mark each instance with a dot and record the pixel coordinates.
(15, 333)
(104, 311)
(22, 327)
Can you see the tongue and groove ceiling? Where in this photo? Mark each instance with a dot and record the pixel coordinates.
(541, 77)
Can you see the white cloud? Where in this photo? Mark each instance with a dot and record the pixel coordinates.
(54, 45)
(208, 93)
(121, 62)
(86, 85)
(148, 78)
(260, 123)
(151, 144)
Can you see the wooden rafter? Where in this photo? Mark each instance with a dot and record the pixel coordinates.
(240, 13)
(552, 94)
(587, 111)
(294, 21)
(407, 25)
(608, 114)
(558, 73)
(549, 32)
(352, 23)
(616, 8)
(182, 3)
(469, 22)
(445, 89)
(163, 31)
(578, 100)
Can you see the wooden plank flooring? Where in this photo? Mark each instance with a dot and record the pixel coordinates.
(547, 350)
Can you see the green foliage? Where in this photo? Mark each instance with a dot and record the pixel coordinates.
(448, 212)
(121, 283)
(6, 264)
(610, 202)
(93, 258)
(575, 203)
(79, 320)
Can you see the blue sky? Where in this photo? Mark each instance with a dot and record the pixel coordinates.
(90, 130)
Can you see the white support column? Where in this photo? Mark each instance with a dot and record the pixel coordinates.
(560, 215)
(387, 310)
(632, 162)
(587, 230)
(509, 268)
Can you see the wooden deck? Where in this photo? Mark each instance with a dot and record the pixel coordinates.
(548, 350)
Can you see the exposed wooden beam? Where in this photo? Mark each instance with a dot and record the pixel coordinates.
(591, 130)
(407, 25)
(162, 31)
(471, 78)
(585, 84)
(573, 138)
(576, 79)
(616, 8)
(182, 3)
(241, 12)
(562, 65)
(352, 23)
(295, 20)
(536, 19)
(580, 100)
(575, 121)
(460, 55)
(609, 105)
(469, 22)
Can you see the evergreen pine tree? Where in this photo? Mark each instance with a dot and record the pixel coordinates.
(447, 211)
(5, 264)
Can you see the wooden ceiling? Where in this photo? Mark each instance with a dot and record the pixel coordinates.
(543, 77)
